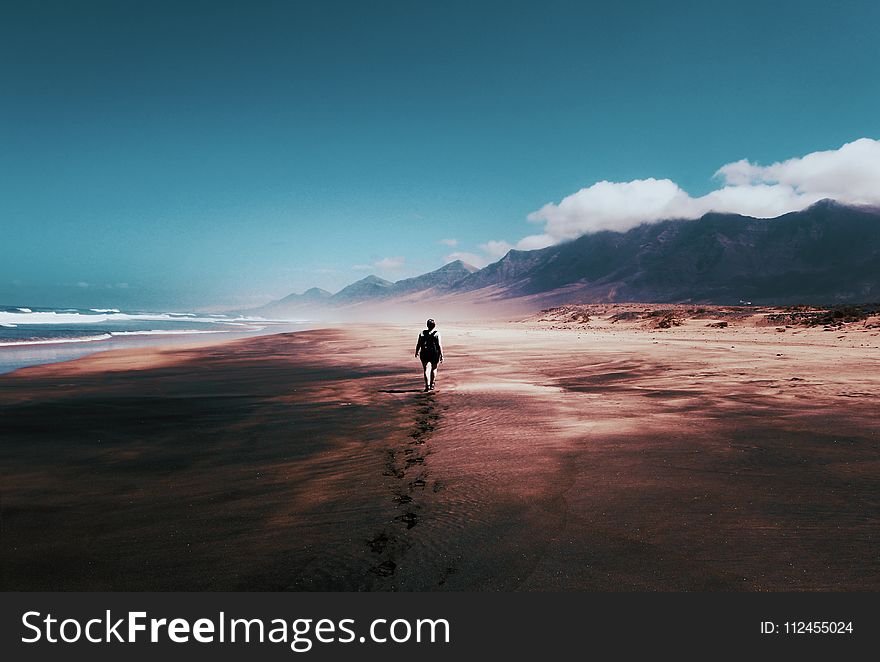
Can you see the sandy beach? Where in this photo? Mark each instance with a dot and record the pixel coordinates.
(562, 452)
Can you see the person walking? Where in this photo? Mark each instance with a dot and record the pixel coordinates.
(429, 350)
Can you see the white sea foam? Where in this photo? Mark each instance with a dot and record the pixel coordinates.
(55, 341)
(113, 334)
(96, 310)
(177, 332)
(25, 310)
(53, 317)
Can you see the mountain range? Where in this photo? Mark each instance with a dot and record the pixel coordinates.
(828, 253)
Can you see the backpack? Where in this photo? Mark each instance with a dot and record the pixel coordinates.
(430, 344)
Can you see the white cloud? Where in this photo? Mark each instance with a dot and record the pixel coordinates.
(390, 263)
(385, 264)
(496, 249)
(850, 174)
(83, 285)
(612, 206)
(534, 242)
(452, 243)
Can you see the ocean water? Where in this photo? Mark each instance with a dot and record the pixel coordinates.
(31, 336)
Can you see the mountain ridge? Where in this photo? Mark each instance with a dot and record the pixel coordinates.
(826, 253)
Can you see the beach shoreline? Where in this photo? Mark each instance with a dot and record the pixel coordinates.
(557, 454)
(15, 355)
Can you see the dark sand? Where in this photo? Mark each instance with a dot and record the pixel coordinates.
(605, 458)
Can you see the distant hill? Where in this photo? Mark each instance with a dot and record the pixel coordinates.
(828, 253)
(310, 302)
(371, 287)
(443, 279)
(313, 295)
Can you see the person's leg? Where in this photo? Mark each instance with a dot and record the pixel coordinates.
(426, 371)
(433, 374)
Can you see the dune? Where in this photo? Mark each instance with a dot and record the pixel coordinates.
(585, 448)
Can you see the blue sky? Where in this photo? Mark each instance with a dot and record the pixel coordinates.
(188, 154)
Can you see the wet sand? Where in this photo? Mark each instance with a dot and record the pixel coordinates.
(585, 457)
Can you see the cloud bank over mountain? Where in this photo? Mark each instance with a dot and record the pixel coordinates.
(850, 175)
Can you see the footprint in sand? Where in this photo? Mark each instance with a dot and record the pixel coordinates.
(409, 518)
(418, 483)
(391, 468)
(379, 544)
(445, 575)
(384, 569)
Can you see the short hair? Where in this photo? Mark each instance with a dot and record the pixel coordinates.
(431, 324)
